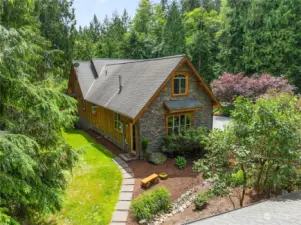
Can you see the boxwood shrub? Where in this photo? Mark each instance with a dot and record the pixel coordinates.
(149, 203)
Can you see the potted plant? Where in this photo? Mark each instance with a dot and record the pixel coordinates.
(163, 176)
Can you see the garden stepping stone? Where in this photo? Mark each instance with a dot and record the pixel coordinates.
(123, 205)
(128, 181)
(127, 188)
(123, 166)
(119, 161)
(127, 175)
(126, 170)
(126, 193)
(120, 216)
(125, 196)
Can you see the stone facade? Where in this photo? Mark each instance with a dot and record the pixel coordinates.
(152, 122)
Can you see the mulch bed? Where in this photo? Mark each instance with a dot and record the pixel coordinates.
(216, 205)
(178, 182)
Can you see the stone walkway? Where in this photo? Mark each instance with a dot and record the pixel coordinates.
(285, 210)
(126, 193)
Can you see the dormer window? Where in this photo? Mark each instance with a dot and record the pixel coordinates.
(180, 84)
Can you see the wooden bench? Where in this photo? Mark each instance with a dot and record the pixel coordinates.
(152, 179)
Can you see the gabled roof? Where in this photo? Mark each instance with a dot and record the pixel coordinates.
(141, 79)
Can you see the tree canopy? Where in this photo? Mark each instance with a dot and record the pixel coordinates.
(33, 155)
(262, 142)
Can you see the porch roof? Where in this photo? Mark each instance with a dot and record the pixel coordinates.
(185, 104)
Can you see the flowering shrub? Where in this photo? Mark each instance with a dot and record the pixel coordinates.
(228, 86)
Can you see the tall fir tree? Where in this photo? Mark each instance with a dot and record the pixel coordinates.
(57, 19)
(263, 36)
(34, 157)
(173, 32)
(190, 5)
(201, 30)
(95, 29)
(141, 19)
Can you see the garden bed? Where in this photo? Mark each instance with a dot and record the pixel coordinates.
(178, 182)
(215, 206)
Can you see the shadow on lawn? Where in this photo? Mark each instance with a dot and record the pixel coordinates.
(92, 141)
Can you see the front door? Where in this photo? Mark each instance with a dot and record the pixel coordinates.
(134, 138)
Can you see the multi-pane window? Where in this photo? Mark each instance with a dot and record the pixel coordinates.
(94, 108)
(117, 122)
(83, 104)
(178, 123)
(180, 84)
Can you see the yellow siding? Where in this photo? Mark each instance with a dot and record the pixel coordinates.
(104, 118)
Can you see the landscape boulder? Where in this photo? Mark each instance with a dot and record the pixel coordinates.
(156, 158)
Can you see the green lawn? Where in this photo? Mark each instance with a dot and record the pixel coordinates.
(93, 190)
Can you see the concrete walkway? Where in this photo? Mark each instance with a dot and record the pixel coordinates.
(285, 210)
(219, 122)
(126, 193)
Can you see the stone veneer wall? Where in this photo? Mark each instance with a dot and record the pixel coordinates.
(152, 122)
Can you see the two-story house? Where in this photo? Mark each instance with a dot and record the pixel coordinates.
(125, 100)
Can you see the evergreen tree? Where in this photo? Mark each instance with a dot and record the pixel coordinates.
(263, 36)
(34, 156)
(95, 29)
(141, 19)
(164, 5)
(173, 33)
(201, 29)
(211, 5)
(57, 19)
(190, 5)
(113, 36)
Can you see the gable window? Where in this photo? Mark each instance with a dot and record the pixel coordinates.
(176, 124)
(180, 84)
(94, 108)
(117, 122)
(83, 104)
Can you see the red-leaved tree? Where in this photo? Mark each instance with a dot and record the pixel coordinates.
(228, 86)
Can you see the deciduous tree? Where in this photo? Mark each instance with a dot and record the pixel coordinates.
(262, 141)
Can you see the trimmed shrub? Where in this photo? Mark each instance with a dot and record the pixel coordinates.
(201, 201)
(180, 162)
(187, 143)
(144, 145)
(150, 203)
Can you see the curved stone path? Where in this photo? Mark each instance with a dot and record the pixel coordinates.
(126, 193)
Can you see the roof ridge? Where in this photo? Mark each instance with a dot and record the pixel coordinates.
(145, 60)
(132, 60)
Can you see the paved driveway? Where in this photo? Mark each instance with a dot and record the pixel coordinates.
(285, 210)
(220, 122)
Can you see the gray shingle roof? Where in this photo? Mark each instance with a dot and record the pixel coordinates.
(99, 82)
(182, 104)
